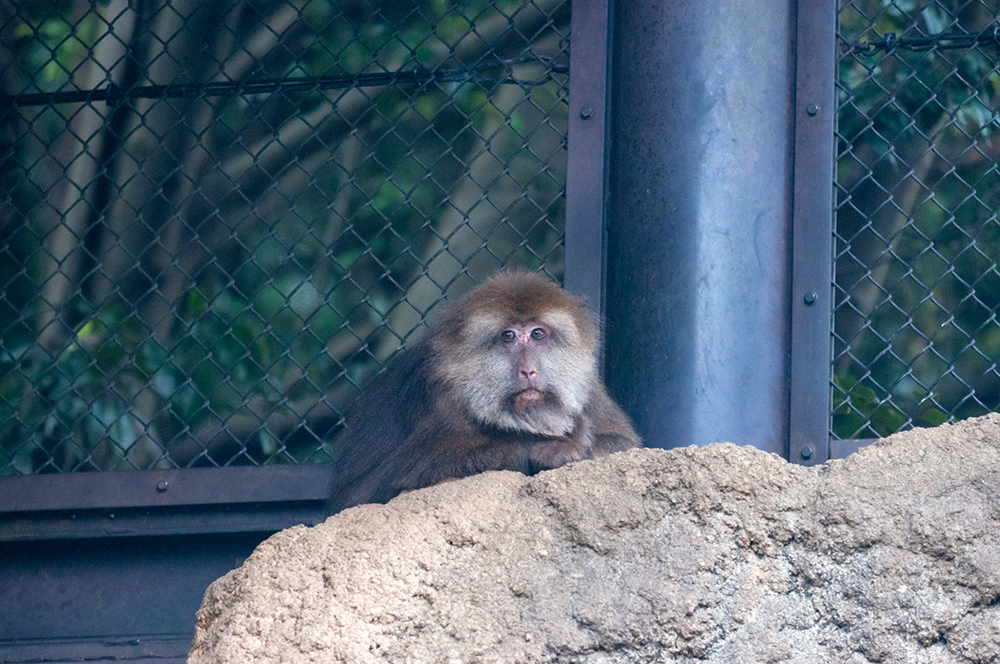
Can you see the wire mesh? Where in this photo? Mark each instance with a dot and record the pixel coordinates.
(916, 337)
(207, 278)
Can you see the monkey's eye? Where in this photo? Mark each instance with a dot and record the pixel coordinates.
(508, 336)
(537, 333)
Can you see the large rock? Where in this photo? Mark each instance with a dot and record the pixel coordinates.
(718, 554)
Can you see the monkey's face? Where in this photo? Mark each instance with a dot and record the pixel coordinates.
(521, 372)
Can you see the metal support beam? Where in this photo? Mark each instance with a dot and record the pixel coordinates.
(699, 265)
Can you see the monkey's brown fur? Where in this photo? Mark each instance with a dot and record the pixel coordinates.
(506, 379)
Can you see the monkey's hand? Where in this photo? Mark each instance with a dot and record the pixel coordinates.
(557, 452)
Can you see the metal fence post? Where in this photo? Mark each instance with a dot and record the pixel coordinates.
(699, 235)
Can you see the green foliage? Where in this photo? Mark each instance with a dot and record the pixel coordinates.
(93, 405)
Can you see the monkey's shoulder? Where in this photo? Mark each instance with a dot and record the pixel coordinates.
(390, 403)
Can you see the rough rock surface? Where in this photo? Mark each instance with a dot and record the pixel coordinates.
(717, 554)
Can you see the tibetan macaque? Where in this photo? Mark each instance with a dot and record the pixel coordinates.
(505, 380)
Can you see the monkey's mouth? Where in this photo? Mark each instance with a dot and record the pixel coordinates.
(529, 398)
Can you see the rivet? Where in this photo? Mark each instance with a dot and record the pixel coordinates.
(810, 298)
(807, 452)
(162, 486)
(812, 109)
(586, 112)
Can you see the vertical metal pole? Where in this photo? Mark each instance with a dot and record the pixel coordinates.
(698, 253)
(812, 232)
(587, 175)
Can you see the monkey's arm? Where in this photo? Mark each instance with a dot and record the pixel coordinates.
(556, 452)
(447, 445)
(601, 429)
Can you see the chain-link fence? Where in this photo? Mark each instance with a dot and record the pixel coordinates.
(917, 287)
(221, 219)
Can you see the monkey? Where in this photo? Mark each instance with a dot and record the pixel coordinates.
(506, 379)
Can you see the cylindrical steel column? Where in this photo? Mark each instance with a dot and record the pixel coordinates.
(698, 264)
